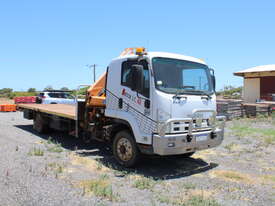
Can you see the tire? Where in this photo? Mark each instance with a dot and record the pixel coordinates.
(39, 124)
(125, 149)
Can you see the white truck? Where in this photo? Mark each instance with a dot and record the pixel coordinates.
(146, 103)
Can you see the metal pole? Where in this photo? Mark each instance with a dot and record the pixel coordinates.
(94, 72)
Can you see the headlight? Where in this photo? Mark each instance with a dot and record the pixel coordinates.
(162, 118)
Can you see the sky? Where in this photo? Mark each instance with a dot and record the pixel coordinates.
(50, 42)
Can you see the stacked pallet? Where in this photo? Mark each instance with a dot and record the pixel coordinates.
(237, 109)
(7, 108)
(252, 110)
(230, 108)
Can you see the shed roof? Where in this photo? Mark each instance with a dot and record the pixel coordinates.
(263, 68)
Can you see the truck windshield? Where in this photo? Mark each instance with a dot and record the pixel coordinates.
(181, 77)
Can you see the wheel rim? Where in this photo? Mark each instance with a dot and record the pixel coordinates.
(124, 149)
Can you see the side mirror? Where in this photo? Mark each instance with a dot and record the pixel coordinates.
(137, 78)
(213, 79)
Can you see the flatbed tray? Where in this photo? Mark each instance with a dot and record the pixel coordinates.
(61, 110)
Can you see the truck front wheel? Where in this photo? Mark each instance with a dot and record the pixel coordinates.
(125, 149)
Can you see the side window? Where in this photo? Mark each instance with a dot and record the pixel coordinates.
(146, 86)
(126, 79)
(125, 73)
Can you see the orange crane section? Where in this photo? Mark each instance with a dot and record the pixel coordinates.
(96, 93)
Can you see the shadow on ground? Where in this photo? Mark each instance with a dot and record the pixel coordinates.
(150, 166)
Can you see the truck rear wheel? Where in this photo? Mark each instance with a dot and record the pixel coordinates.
(125, 149)
(39, 124)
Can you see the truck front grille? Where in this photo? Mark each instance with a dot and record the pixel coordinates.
(180, 127)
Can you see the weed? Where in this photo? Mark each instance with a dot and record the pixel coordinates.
(200, 201)
(153, 203)
(262, 116)
(242, 130)
(104, 177)
(163, 199)
(144, 183)
(36, 152)
(265, 135)
(232, 175)
(50, 140)
(100, 204)
(121, 173)
(56, 148)
(230, 146)
(188, 185)
(269, 136)
(57, 167)
(269, 178)
(100, 187)
(193, 200)
(99, 165)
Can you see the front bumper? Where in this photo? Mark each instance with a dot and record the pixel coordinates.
(196, 138)
(183, 143)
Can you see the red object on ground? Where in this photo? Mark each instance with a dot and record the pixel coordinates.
(25, 100)
(7, 108)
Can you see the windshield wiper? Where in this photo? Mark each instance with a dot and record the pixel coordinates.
(184, 91)
(178, 92)
(205, 93)
(196, 91)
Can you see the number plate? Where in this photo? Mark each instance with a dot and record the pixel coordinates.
(201, 137)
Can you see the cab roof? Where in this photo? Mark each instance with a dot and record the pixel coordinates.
(164, 55)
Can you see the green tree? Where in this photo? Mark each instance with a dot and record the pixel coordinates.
(31, 90)
(64, 89)
(5, 92)
(49, 87)
(231, 92)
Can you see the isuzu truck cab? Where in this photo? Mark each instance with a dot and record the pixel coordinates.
(152, 103)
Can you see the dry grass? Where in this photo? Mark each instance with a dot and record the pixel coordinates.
(36, 152)
(232, 176)
(232, 147)
(100, 187)
(88, 164)
(144, 183)
(269, 178)
(58, 168)
(193, 197)
(6, 101)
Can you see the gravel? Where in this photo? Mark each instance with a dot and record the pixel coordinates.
(239, 172)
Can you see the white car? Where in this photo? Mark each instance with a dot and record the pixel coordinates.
(55, 97)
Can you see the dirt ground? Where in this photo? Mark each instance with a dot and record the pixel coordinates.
(6, 101)
(57, 169)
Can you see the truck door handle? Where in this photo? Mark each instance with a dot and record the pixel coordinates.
(120, 103)
(147, 103)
